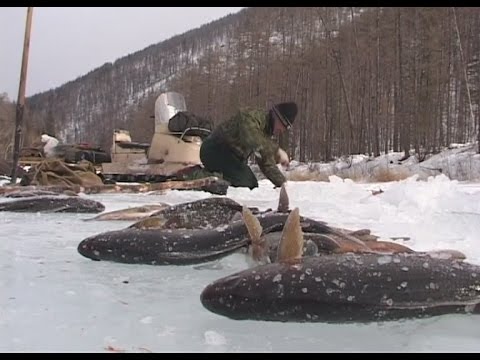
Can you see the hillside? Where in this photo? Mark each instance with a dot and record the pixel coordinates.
(367, 80)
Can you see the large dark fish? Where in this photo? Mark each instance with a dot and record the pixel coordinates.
(200, 214)
(179, 246)
(341, 287)
(54, 204)
(206, 213)
(347, 288)
(187, 233)
(164, 247)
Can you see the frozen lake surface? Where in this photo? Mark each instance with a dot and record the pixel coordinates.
(52, 299)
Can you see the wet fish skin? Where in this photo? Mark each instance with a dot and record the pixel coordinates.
(211, 215)
(346, 288)
(179, 246)
(55, 204)
(200, 214)
(164, 247)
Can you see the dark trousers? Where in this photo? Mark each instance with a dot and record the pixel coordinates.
(218, 157)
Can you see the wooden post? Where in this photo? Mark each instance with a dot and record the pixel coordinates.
(21, 96)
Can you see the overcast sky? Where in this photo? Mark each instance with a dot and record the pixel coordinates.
(68, 42)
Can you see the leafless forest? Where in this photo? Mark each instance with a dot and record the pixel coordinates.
(367, 80)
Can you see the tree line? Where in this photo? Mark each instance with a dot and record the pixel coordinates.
(367, 80)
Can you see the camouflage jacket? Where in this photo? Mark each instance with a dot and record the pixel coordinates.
(247, 133)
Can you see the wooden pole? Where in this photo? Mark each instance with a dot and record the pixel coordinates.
(21, 96)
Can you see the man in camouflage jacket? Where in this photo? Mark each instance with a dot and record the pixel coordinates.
(227, 149)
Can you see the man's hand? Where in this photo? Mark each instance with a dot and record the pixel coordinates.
(281, 157)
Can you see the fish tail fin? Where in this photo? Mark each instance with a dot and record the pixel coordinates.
(259, 246)
(283, 200)
(291, 242)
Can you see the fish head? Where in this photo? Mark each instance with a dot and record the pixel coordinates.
(93, 206)
(238, 295)
(217, 297)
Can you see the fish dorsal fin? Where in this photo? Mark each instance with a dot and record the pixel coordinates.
(283, 201)
(253, 225)
(291, 242)
(258, 250)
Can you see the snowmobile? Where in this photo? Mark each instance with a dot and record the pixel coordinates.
(173, 151)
